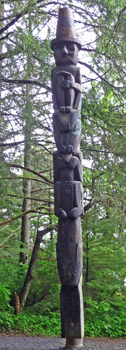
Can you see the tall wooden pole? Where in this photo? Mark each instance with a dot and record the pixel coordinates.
(68, 191)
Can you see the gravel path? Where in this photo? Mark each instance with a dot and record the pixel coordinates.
(38, 343)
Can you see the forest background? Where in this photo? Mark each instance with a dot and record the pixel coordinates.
(28, 227)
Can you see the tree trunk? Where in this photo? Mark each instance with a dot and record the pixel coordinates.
(29, 276)
(1, 25)
(87, 262)
(26, 220)
(49, 205)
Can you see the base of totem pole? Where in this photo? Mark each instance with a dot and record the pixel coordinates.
(72, 316)
(69, 259)
(73, 343)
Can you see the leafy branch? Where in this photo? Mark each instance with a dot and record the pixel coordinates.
(31, 171)
(8, 221)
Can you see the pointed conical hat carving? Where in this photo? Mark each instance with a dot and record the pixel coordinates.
(65, 28)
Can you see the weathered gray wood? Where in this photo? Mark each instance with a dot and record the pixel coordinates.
(68, 177)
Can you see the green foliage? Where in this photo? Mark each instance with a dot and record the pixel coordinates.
(101, 319)
(38, 325)
(105, 318)
(4, 297)
(45, 284)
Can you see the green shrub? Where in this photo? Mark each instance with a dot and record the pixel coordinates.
(105, 318)
(35, 324)
(101, 319)
(4, 297)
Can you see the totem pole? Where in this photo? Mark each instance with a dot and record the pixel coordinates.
(68, 191)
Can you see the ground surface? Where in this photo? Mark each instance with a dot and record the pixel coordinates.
(19, 342)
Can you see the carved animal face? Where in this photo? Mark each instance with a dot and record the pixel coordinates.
(65, 53)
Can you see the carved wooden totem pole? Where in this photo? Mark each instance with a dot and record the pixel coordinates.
(68, 191)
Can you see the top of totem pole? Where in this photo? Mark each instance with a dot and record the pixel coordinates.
(65, 28)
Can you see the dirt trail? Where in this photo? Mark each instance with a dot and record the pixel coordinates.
(19, 342)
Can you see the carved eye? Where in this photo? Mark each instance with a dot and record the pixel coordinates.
(58, 46)
(70, 46)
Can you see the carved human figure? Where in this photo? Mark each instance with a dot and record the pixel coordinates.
(67, 167)
(68, 191)
(69, 252)
(66, 89)
(66, 77)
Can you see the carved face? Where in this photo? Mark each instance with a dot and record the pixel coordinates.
(65, 53)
